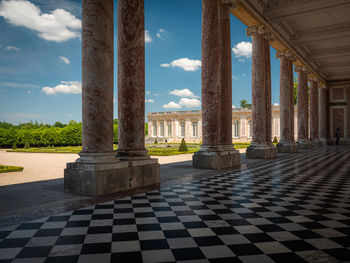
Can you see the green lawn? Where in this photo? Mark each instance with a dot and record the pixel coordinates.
(6, 169)
(155, 151)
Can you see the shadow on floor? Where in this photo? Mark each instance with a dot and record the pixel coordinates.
(24, 202)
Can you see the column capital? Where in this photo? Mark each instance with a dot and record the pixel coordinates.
(261, 30)
(301, 68)
(286, 53)
(312, 78)
(231, 3)
(323, 85)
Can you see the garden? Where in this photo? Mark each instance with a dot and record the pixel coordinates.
(66, 138)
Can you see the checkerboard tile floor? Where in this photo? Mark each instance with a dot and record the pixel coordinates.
(294, 209)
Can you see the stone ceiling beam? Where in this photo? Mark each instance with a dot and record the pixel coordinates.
(281, 10)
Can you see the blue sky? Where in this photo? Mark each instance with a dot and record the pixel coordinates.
(40, 59)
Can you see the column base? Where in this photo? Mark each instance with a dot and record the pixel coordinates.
(261, 151)
(304, 145)
(315, 143)
(216, 158)
(98, 179)
(323, 142)
(287, 147)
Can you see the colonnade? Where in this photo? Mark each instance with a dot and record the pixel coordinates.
(100, 170)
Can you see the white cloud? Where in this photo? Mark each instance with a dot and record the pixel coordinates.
(30, 92)
(156, 94)
(65, 60)
(149, 101)
(148, 38)
(183, 93)
(148, 92)
(9, 48)
(18, 85)
(275, 104)
(184, 63)
(243, 75)
(172, 105)
(161, 33)
(58, 26)
(190, 103)
(241, 60)
(70, 115)
(242, 49)
(233, 106)
(234, 77)
(25, 115)
(73, 87)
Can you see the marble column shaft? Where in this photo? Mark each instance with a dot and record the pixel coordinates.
(303, 110)
(259, 109)
(226, 77)
(347, 120)
(211, 73)
(131, 79)
(261, 146)
(286, 99)
(97, 76)
(314, 133)
(268, 101)
(323, 114)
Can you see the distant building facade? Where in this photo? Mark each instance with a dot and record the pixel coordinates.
(175, 125)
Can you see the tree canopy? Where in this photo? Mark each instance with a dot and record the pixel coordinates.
(245, 104)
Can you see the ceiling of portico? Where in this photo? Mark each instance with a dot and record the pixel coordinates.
(317, 30)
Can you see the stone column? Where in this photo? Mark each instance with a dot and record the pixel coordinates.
(261, 146)
(97, 100)
(98, 171)
(347, 120)
(268, 101)
(323, 115)
(314, 133)
(212, 155)
(131, 80)
(226, 78)
(287, 143)
(303, 109)
(226, 84)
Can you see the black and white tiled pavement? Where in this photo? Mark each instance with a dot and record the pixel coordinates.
(295, 209)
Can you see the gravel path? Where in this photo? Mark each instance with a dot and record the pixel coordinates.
(46, 166)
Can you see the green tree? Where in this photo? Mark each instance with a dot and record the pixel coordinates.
(183, 146)
(59, 124)
(146, 129)
(243, 104)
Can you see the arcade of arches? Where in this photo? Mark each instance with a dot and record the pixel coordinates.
(304, 37)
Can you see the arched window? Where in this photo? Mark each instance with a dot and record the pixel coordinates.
(194, 129)
(161, 132)
(154, 129)
(169, 129)
(182, 131)
(236, 129)
(250, 128)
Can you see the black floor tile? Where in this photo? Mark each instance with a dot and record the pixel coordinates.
(188, 254)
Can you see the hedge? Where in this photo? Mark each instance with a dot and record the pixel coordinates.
(39, 135)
